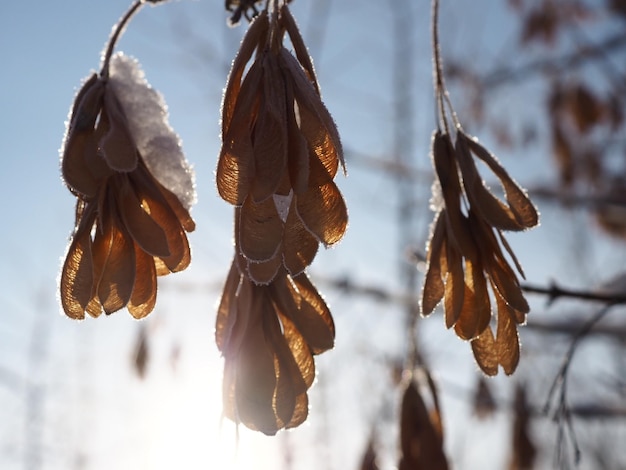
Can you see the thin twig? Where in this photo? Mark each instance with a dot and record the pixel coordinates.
(562, 414)
(572, 199)
(438, 69)
(554, 292)
(117, 31)
(442, 96)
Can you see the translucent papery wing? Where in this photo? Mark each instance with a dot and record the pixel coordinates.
(519, 203)
(256, 376)
(118, 146)
(299, 246)
(322, 208)
(77, 275)
(299, 409)
(310, 317)
(313, 317)
(177, 206)
(289, 381)
(229, 323)
(269, 141)
(297, 146)
(476, 312)
(260, 229)
(499, 271)
(300, 412)
(172, 200)
(422, 446)
(254, 37)
(298, 45)
(143, 297)
(486, 352)
(518, 316)
(155, 204)
(94, 308)
(301, 353)
(79, 138)
(448, 176)
(508, 287)
(509, 250)
(78, 116)
(235, 172)
(118, 272)
(235, 168)
(495, 212)
(229, 388)
(100, 248)
(434, 288)
(454, 283)
(507, 341)
(316, 123)
(144, 230)
(264, 272)
(76, 172)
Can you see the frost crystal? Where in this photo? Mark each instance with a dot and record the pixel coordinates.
(282, 204)
(147, 116)
(436, 199)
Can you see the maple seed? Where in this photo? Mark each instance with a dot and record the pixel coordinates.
(465, 259)
(279, 157)
(129, 228)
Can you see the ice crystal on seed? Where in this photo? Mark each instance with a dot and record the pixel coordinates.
(147, 116)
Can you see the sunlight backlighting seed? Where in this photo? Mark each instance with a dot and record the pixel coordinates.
(465, 258)
(280, 154)
(129, 228)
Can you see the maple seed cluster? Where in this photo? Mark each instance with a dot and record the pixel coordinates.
(421, 429)
(129, 227)
(280, 153)
(465, 250)
(464, 253)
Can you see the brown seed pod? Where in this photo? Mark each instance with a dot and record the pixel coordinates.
(129, 228)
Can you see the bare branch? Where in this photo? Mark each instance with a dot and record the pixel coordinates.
(562, 412)
(554, 292)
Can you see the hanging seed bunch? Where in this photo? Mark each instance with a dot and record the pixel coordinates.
(134, 189)
(466, 248)
(523, 449)
(421, 431)
(279, 156)
(268, 335)
(483, 402)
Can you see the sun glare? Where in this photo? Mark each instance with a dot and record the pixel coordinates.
(185, 428)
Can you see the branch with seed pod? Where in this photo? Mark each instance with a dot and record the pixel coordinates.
(279, 157)
(130, 224)
(466, 248)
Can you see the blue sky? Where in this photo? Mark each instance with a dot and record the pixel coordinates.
(91, 395)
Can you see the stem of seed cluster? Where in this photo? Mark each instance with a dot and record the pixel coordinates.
(273, 3)
(119, 28)
(441, 94)
(438, 69)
